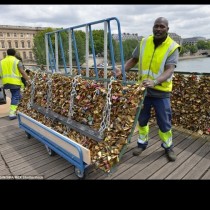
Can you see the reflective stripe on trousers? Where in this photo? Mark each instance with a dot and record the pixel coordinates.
(143, 134)
(13, 109)
(143, 139)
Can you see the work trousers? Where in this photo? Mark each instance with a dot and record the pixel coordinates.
(163, 113)
(15, 96)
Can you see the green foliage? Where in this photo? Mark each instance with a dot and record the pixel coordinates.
(116, 49)
(39, 46)
(183, 50)
(200, 45)
(193, 49)
(98, 38)
(64, 39)
(128, 46)
(80, 37)
(98, 41)
(189, 48)
(203, 45)
(80, 42)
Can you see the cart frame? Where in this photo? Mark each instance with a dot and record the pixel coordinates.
(55, 142)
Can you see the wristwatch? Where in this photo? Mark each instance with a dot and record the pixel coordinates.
(155, 82)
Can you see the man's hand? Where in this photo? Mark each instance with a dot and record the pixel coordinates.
(118, 71)
(29, 82)
(148, 83)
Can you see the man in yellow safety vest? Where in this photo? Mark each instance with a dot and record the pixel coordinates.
(157, 57)
(11, 71)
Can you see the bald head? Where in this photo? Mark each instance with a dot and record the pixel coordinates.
(160, 28)
(162, 20)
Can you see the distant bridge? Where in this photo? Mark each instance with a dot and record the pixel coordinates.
(203, 52)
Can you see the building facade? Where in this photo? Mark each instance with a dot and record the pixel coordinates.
(19, 38)
(193, 40)
(176, 38)
(125, 36)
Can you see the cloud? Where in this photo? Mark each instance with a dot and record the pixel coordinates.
(185, 20)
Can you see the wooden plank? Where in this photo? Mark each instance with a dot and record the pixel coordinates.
(184, 168)
(48, 133)
(168, 169)
(23, 152)
(199, 171)
(70, 177)
(5, 172)
(21, 156)
(26, 158)
(45, 167)
(67, 173)
(129, 166)
(206, 175)
(152, 153)
(16, 144)
(99, 174)
(55, 172)
(43, 161)
(4, 108)
(162, 161)
(28, 165)
(4, 122)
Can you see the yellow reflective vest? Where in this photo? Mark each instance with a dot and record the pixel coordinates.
(152, 60)
(9, 71)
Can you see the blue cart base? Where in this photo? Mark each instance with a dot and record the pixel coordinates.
(57, 143)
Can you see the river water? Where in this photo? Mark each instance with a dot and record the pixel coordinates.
(200, 65)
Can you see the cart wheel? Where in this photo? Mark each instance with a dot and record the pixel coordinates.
(50, 151)
(79, 173)
(28, 135)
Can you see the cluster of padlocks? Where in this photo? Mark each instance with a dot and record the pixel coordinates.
(55, 99)
(191, 102)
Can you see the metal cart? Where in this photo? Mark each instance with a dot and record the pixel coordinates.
(55, 142)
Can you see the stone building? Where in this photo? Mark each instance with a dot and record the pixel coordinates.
(193, 40)
(19, 38)
(126, 36)
(176, 38)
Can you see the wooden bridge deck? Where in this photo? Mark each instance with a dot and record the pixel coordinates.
(22, 157)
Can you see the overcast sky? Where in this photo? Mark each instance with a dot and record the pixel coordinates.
(184, 20)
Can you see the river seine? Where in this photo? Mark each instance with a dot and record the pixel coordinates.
(200, 65)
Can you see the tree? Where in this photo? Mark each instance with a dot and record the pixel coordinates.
(80, 42)
(193, 49)
(184, 50)
(202, 45)
(128, 47)
(39, 46)
(116, 49)
(98, 39)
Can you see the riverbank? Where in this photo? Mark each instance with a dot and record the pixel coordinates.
(192, 57)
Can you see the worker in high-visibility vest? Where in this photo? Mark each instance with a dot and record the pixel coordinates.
(11, 71)
(157, 57)
(24, 83)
